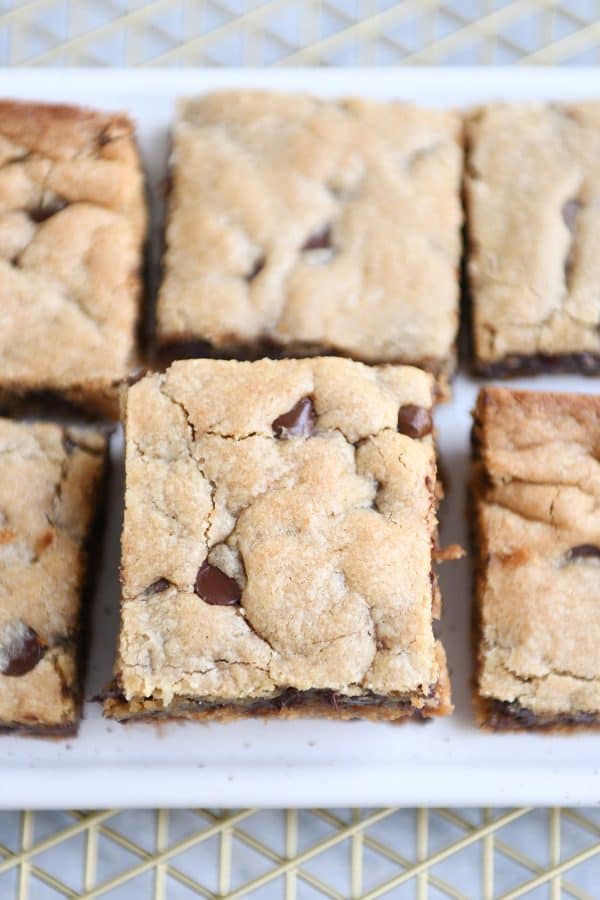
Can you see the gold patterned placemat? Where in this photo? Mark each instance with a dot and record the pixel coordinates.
(288, 32)
(303, 853)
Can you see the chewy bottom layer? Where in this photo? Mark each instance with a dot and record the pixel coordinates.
(540, 363)
(58, 731)
(288, 704)
(505, 716)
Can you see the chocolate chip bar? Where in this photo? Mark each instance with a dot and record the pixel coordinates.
(72, 223)
(278, 542)
(50, 480)
(300, 226)
(536, 493)
(532, 188)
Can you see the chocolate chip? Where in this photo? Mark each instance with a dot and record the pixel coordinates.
(570, 211)
(215, 587)
(415, 421)
(41, 213)
(256, 269)
(299, 421)
(23, 653)
(157, 587)
(105, 137)
(583, 551)
(69, 444)
(319, 240)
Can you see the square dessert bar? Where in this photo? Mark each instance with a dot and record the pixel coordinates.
(536, 495)
(533, 218)
(300, 226)
(72, 225)
(50, 479)
(279, 533)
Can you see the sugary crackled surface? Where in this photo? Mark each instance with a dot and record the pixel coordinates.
(49, 477)
(72, 221)
(533, 199)
(539, 524)
(329, 537)
(314, 224)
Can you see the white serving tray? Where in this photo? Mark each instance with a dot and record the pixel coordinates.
(312, 762)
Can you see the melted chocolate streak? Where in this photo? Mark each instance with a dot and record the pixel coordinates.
(288, 699)
(583, 363)
(170, 350)
(504, 716)
(44, 731)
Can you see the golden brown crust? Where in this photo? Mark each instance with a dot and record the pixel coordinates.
(61, 131)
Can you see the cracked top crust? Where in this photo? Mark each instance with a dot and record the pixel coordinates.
(72, 223)
(327, 535)
(533, 201)
(537, 506)
(315, 225)
(49, 478)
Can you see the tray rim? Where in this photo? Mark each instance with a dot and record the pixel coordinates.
(42, 786)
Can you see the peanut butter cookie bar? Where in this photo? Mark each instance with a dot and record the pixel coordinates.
(278, 543)
(537, 534)
(302, 226)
